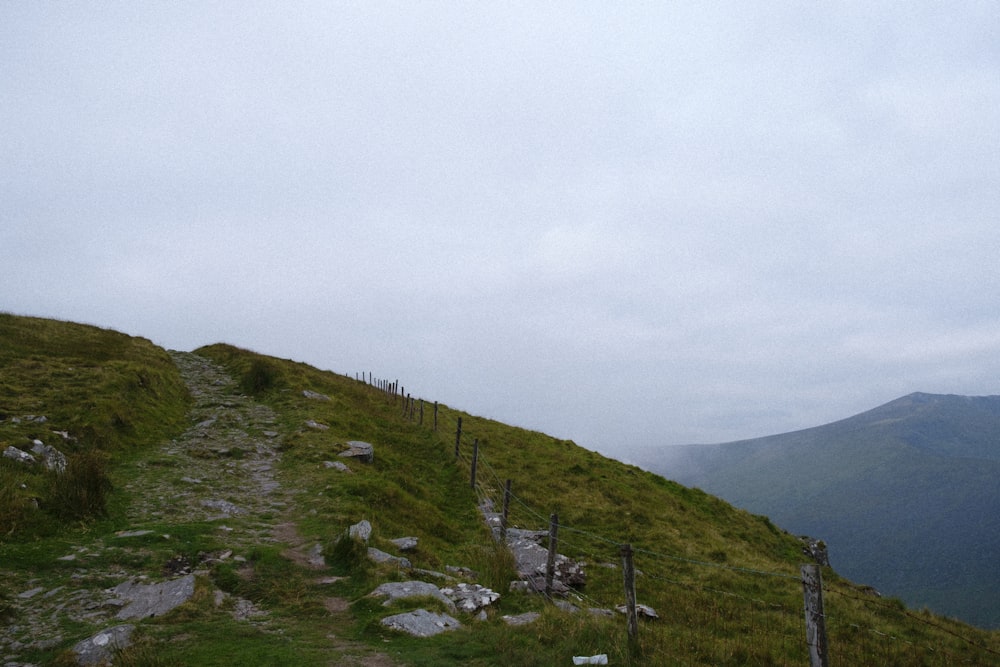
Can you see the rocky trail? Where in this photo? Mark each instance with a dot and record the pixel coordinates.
(222, 470)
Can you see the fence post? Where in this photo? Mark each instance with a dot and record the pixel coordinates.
(458, 436)
(506, 511)
(435, 416)
(421, 423)
(812, 591)
(550, 563)
(475, 462)
(628, 570)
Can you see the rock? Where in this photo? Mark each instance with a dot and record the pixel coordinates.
(405, 543)
(208, 423)
(640, 610)
(361, 451)
(132, 533)
(99, 649)
(315, 395)
(599, 659)
(336, 465)
(16, 454)
(380, 556)
(51, 457)
(532, 559)
(522, 619)
(421, 623)
(316, 556)
(362, 530)
(146, 600)
(400, 590)
(27, 595)
(470, 597)
(316, 425)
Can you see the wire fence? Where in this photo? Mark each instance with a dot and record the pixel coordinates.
(718, 612)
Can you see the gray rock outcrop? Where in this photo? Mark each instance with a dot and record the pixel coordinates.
(401, 590)
(421, 623)
(51, 457)
(18, 455)
(99, 648)
(362, 451)
(146, 600)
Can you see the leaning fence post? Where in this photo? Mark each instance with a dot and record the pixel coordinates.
(812, 591)
(475, 462)
(458, 436)
(628, 570)
(506, 511)
(550, 563)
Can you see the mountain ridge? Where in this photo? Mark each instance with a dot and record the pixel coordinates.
(905, 494)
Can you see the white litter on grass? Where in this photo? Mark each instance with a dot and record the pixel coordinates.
(600, 659)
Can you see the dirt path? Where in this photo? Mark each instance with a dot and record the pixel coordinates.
(222, 469)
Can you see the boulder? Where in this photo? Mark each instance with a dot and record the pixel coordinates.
(315, 395)
(380, 556)
(99, 649)
(362, 530)
(146, 600)
(51, 457)
(362, 451)
(17, 455)
(405, 543)
(421, 623)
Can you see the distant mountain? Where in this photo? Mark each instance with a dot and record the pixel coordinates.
(907, 495)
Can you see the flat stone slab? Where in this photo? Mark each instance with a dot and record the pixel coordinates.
(380, 556)
(98, 649)
(522, 619)
(421, 623)
(470, 597)
(362, 451)
(405, 543)
(146, 600)
(400, 590)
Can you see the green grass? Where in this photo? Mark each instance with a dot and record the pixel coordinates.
(723, 581)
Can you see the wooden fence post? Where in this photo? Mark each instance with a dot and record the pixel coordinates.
(550, 563)
(812, 591)
(475, 462)
(628, 570)
(421, 422)
(435, 416)
(458, 436)
(506, 511)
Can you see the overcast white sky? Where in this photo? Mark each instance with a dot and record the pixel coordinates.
(620, 223)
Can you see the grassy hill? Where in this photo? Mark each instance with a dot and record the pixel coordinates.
(724, 582)
(905, 494)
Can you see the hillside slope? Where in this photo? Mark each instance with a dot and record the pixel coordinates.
(244, 497)
(905, 494)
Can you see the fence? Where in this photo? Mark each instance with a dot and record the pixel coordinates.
(752, 616)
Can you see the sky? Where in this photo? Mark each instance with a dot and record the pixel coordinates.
(625, 224)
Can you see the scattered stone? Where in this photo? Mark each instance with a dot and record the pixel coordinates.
(362, 451)
(336, 465)
(191, 480)
(640, 610)
(316, 425)
(405, 543)
(27, 595)
(362, 530)
(132, 533)
(599, 659)
(16, 454)
(316, 556)
(64, 435)
(421, 623)
(400, 590)
(315, 395)
(532, 559)
(205, 424)
(380, 556)
(471, 597)
(463, 572)
(270, 434)
(565, 606)
(51, 457)
(146, 600)
(99, 649)
(597, 611)
(522, 619)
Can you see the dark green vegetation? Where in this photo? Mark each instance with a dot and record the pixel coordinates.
(724, 581)
(906, 495)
